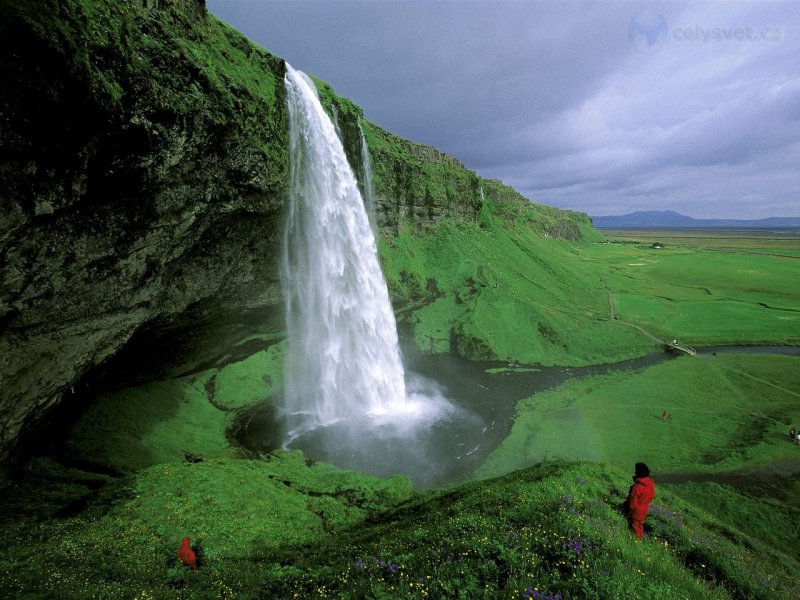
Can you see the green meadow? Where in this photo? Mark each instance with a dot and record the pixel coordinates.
(540, 518)
(726, 412)
(775, 242)
(701, 295)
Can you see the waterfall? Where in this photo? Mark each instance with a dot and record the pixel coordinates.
(343, 358)
(335, 113)
(366, 168)
(346, 397)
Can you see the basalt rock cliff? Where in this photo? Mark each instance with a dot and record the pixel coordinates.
(143, 170)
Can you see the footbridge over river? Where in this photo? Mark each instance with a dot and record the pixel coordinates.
(676, 346)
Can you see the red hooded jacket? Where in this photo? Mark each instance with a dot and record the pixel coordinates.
(639, 496)
(187, 555)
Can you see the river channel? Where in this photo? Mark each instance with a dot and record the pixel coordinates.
(484, 395)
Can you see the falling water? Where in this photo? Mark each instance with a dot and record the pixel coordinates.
(343, 357)
(347, 399)
(335, 113)
(366, 168)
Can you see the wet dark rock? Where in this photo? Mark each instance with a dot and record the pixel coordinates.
(135, 191)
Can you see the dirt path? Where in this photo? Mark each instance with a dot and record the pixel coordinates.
(758, 379)
(612, 311)
(642, 330)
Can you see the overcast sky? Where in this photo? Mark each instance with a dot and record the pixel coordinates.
(603, 107)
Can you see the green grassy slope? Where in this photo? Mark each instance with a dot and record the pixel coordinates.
(555, 531)
(726, 412)
(503, 288)
(280, 528)
(89, 536)
(163, 421)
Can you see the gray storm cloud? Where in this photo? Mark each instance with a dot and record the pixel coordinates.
(561, 101)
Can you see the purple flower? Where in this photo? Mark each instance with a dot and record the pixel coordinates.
(532, 593)
(577, 545)
(667, 515)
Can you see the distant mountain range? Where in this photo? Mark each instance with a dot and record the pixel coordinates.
(669, 219)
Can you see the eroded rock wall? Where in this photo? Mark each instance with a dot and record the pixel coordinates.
(139, 179)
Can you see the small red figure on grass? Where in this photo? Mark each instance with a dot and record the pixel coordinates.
(187, 555)
(638, 502)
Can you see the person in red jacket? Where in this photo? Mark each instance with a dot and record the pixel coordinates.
(639, 496)
(187, 555)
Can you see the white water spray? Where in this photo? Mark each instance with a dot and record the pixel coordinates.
(347, 399)
(343, 359)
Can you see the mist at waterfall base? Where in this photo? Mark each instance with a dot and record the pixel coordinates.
(347, 398)
(419, 441)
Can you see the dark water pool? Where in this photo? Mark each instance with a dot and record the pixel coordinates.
(485, 394)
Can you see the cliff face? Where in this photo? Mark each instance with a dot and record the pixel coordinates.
(143, 171)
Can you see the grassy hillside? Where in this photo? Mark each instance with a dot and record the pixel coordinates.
(163, 421)
(727, 413)
(553, 531)
(74, 534)
(503, 288)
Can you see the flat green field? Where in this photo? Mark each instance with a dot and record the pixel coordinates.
(729, 412)
(767, 241)
(703, 295)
